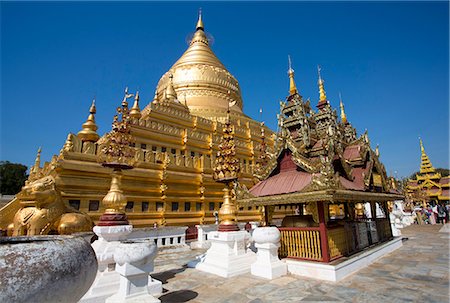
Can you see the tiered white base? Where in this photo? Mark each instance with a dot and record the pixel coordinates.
(228, 255)
(343, 269)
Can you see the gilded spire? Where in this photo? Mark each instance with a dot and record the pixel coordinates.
(199, 35)
(89, 128)
(37, 161)
(343, 115)
(35, 171)
(323, 96)
(200, 21)
(135, 111)
(425, 164)
(170, 93)
(292, 86)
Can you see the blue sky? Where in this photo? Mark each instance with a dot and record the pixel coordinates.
(389, 60)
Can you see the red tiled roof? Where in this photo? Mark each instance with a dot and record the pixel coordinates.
(352, 152)
(351, 185)
(412, 183)
(446, 193)
(285, 182)
(359, 174)
(444, 180)
(433, 190)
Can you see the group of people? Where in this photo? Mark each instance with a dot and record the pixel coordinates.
(433, 214)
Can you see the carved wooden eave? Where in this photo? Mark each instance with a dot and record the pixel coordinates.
(329, 195)
(283, 144)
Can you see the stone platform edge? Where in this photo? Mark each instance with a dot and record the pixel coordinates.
(339, 271)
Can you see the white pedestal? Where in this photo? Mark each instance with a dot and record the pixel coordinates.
(228, 255)
(107, 281)
(134, 262)
(267, 264)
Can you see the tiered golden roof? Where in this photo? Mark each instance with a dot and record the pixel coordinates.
(201, 80)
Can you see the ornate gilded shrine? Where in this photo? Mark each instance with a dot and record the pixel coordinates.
(428, 185)
(333, 180)
(176, 139)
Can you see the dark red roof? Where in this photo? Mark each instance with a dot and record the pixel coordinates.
(285, 182)
(352, 152)
(446, 192)
(347, 184)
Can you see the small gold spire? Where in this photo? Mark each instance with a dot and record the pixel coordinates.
(377, 151)
(425, 164)
(200, 21)
(135, 111)
(89, 128)
(343, 115)
(323, 96)
(292, 86)
(36, 168)
(170, 93)
(37, 161)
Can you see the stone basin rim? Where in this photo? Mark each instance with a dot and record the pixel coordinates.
(37, 238)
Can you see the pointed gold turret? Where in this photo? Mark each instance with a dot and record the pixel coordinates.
(89, 131)
(343, 115)
(292, 86)
(170, 94)
(35, 171)
(37, 162)
(135, 111)
(323, 96)
(425, 164)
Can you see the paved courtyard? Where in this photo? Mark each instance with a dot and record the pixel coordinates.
(417, 272)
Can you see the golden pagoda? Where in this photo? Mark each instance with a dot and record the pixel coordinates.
(428, 184)
(176, 139)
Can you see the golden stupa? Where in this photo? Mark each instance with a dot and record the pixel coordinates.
(201, 81)
(176, 140)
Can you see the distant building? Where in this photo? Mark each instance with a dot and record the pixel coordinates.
(428, 185)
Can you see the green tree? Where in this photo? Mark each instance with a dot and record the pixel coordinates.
(12, 177)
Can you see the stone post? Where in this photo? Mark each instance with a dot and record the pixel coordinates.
(134, 261)
(267, 265)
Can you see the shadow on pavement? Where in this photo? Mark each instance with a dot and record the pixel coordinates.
(179, 296)
(167, 275)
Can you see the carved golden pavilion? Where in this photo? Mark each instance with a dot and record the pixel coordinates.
(321, 169)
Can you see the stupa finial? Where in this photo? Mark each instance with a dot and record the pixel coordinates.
(343, 115)
(292, 86)
(200, 21)
(170, 93)
(323, 96)
(135, 111)
(89, 128)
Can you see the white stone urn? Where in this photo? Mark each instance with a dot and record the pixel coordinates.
(45, 268)
(267, 265)
(266, 235)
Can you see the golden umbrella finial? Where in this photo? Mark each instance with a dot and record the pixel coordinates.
(226, 171)
(292, 86)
